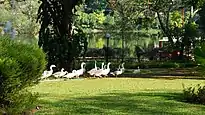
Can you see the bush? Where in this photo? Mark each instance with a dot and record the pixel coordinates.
(195, 94)
(21, 66)
(199, 53)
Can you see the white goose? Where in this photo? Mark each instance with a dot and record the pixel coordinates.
(80, 71)
(70, 75)
(112, 73)
(46, 73)
(137, 70)
(120, 71)
(60, 73)
(98, 72)
(91, 72)
(106, 71)
(119, 67)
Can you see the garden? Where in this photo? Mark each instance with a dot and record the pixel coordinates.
(93, 57)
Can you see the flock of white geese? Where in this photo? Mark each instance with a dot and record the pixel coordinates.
(95, 72)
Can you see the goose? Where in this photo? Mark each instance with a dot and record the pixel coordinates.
(60, 73)
(106, 71)
(98, 72)
(119, 71)
(48, 73)
(137, 70)
(80, 71)
(91, 72)
(112, 73)
(94, 72)
(119, 66)
(70, 75)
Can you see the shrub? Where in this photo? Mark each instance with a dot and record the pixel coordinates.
(199, 53)
(194, 94)
(21, 66)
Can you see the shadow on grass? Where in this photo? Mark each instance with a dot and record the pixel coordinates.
(153, 103)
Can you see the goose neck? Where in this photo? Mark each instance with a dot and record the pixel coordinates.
(95, 65)
(108, 66)
(51, 68)
(102, 66)
(82, 65)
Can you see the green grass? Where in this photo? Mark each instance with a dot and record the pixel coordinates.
(123, 96)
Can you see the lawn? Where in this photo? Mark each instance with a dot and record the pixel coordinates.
(112, 96)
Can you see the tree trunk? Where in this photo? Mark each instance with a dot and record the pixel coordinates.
(123, 45)
(165, 29)
(181, 56)
(66, 33)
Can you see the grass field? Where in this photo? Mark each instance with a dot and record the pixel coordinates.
(122, 96)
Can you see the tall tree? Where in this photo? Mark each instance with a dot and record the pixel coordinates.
(56, 35)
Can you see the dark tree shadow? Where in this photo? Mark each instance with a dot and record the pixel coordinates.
(153, 103)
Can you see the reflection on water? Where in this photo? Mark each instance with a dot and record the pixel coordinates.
(97, 40)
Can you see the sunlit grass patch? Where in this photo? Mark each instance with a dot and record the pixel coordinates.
(116, 96)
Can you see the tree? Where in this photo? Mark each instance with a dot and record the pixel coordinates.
(126, 12)
(163, 10)
(202, 17)
(22, 14)
(138, 51)
(173, 23)
(57, 36)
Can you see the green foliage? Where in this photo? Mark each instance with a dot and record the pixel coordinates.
(79, 43)
(88, 21)
(202, 18)
(94, 5)
(125, 15)
(100, 43)
(100, 17)
(176, 19)
(194, 94)
(109, 20)
(190, 35)
(191, 30)
(21, 100)
(177, 25)
(21, 66)
(23, 16)
(194, 3)
(200, 55)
